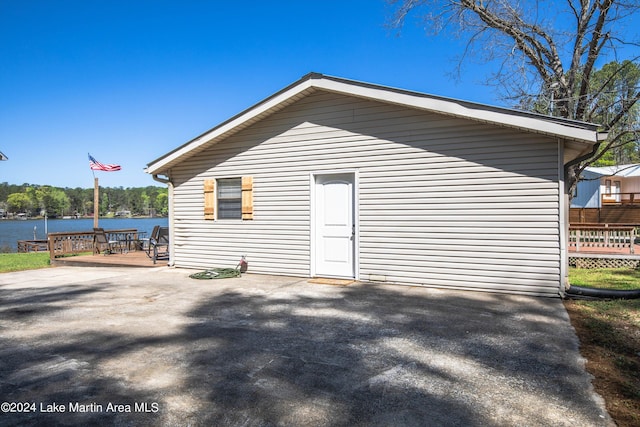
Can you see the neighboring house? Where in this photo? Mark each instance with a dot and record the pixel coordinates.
(3, 157)
(608, 185)
(337, 178)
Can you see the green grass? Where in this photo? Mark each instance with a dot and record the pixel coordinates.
(23, 261)
(627, 311)
(605, 278)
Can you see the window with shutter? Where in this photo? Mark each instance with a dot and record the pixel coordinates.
(228, 198)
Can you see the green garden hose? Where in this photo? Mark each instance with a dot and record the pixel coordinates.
(216, 273)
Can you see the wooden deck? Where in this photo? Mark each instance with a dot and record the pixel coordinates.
(130, 259)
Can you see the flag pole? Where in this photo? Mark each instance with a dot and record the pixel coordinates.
(96, 193)
(95, 165)
(96, 201)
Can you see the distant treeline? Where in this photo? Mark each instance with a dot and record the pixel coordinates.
(37, 200)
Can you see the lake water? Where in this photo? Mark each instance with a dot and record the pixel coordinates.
(13, 230)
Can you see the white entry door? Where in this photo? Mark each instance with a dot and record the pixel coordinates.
(334, 225)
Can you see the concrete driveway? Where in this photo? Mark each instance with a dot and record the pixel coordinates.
(122, 346)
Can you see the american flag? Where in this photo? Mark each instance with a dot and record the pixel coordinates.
(97, 166)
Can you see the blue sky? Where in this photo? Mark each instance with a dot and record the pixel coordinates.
(128, 81)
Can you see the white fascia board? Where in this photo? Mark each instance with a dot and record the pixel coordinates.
(462, 109)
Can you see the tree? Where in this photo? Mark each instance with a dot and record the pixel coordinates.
(161, 203)
(19, 202)
(618, 81)
(81, 200)
(546, 48)
(53, 201)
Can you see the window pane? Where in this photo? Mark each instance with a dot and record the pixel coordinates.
(230, 198)
(229, 209)
(229, 188)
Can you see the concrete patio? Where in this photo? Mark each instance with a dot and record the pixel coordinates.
(150, 346)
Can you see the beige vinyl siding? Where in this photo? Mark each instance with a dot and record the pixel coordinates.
(443, 201)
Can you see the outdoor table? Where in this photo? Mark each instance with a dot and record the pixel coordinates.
(128, 240)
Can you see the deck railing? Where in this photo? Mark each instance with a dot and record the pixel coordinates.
(602, 236)
(68, 243)
(620, 198)
(32, 246)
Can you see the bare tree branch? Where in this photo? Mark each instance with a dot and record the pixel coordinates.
(539, 54)
(623, 112)
(546, 63)
(598, 40)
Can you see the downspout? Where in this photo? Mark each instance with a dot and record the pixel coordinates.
(156, 177)
(563, 206)
(584, 156)
(579, 291)
(169, 184)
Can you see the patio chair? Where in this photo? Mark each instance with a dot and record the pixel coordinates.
(159, 244)
(152, 237)
(100, 240)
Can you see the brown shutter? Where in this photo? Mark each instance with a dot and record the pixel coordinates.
(209, 199)
(247, 197)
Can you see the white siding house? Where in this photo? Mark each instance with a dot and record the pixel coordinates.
(337, 178)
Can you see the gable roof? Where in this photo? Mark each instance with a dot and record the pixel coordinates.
(580, 133)
(3, 157)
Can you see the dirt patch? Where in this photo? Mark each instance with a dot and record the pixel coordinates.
(611, 344)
